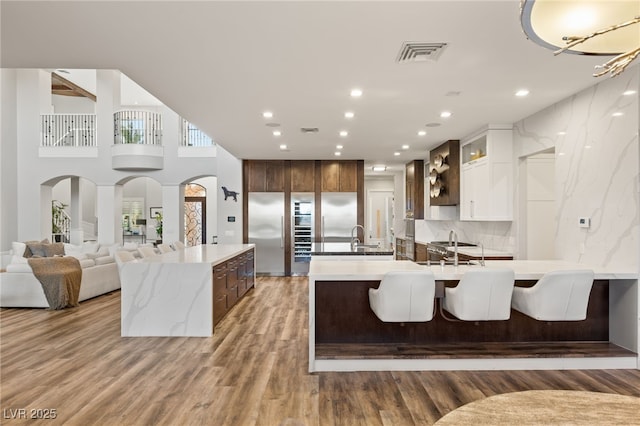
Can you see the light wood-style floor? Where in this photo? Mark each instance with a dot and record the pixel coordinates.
(252, 372)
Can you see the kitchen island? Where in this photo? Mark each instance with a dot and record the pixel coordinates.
(345, 335)
(184, 292)
(344, 251)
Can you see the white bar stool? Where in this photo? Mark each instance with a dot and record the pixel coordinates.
(483, 294)
(404, 296)
(557, 296)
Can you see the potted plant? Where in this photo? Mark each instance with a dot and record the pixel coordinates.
(57, 218)
(159, 225)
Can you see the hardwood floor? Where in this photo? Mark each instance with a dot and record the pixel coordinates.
(253, 371)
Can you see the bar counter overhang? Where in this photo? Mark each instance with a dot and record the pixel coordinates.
(340, 317)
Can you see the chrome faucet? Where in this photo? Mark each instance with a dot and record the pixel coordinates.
(453, 234)
(482, 260)
(354, 238)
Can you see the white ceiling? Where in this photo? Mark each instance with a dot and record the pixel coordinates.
(221, 64)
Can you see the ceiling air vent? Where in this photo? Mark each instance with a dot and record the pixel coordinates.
(420, 52)
(309, 129)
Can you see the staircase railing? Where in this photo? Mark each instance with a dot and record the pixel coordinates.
(61, 231)
(76, 130)
(137, 127)
(192, 136)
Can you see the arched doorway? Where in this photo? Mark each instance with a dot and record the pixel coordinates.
(195, 214)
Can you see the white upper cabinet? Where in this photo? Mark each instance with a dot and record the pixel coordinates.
(486, 175)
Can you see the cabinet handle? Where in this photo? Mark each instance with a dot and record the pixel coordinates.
(471, 209)
(322, 229)
(281, 231)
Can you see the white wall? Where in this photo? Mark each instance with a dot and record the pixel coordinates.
(72, 105)
(8, 156)
(597, 169)
(229, 175)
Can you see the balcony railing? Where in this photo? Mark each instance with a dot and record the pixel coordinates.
(192, 136)
(137, 127)
(76, 130)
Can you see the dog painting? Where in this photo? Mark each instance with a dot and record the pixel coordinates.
(228, 194)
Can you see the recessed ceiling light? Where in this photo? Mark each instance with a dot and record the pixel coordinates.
(349, 114)
(379, 168)
(617, 114)
(562, 133)
(277, 133)
(356, 93)
(522, 92)
(337, 153)
(344, 133)
(561, 154)
(272, 124)
(267, 114)
(422, 133)
(629, 92)
(283, 147)
(432, 125)
(445, 114)
(339, 147)
(587, 147)
(405, 147)
(396, 153)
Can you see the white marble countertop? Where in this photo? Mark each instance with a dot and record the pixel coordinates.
(206, 253)
(524, 269)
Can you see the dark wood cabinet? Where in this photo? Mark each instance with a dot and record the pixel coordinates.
(231, 280)
(421, 253)
(302, 176)
(265, 175)
(330, 172)
(444, 164)
(348, 176)
(339, 176)
(414, 189)
(400, 249)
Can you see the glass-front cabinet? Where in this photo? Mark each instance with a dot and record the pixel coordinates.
(474, 150)
(486, 175)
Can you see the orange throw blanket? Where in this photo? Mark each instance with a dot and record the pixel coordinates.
(60, 278)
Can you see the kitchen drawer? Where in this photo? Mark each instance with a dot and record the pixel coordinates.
(232, 296)
(219, 307)
(219, 280)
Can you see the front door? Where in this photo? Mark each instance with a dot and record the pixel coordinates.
(195, 220)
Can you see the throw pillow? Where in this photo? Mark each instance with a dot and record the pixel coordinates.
(55, 249)
(90, 247)
(18, 248)
(36, 249)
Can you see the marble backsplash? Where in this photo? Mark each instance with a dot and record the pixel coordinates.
(494, 235)
(595, 137)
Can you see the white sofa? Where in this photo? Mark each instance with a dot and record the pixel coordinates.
(19, 288)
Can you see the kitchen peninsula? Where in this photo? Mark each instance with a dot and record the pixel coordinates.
(184, 292)
(345, 335)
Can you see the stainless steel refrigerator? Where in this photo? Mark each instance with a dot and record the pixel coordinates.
(266, 231)
(339, 215)
(302, 213)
